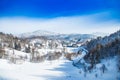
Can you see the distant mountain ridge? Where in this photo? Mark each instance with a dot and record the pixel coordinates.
(100, 34)
(37, 33)
(58, 35)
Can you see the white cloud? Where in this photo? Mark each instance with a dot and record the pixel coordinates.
(72, 24)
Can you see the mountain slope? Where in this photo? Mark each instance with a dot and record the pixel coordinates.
(103, 48)
(103, 41)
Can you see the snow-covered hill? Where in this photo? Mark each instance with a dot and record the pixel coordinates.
(37, 33)
(52, 35)
(103, 41)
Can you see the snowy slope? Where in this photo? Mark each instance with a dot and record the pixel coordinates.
(110, 74)
(56, 70)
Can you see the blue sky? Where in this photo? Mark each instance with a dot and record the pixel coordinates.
(62, 16)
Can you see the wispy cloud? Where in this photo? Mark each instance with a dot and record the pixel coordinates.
(72, 24)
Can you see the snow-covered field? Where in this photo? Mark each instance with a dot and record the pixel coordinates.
(48, 70)
(61, 69)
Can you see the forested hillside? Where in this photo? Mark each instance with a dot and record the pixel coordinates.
(103, 48)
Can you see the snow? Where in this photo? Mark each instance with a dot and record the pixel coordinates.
(60, 69)
(78, 58)
(16, 53)
(38, 71)
(75, 49)
(96, 74)
(54, 70)
(71, 50)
